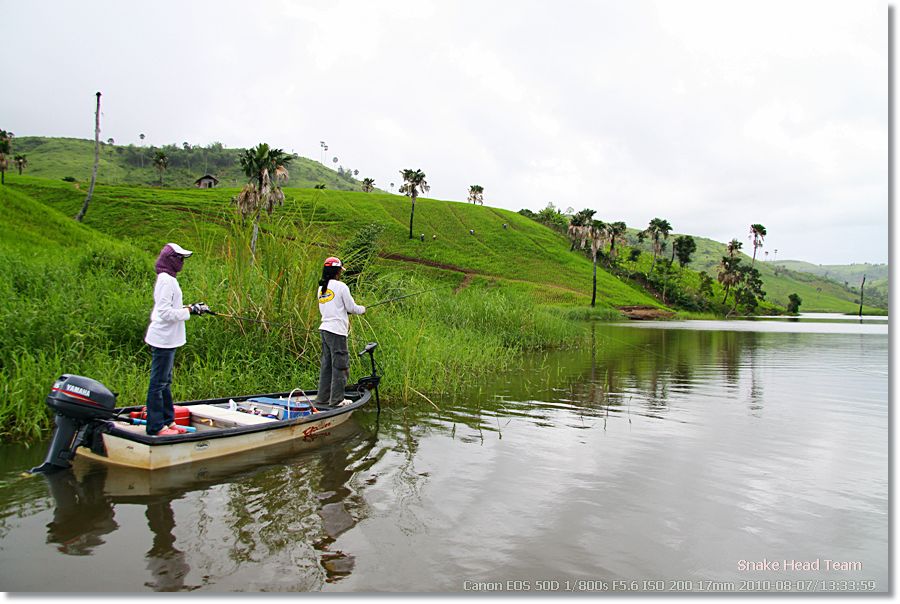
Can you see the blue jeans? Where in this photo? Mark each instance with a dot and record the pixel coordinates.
(160, 409)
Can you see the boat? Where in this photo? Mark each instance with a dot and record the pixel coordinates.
(89, 424)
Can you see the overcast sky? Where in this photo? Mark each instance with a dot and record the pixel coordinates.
(713, 115)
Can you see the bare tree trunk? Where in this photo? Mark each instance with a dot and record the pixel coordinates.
(411, 212)
(862, 289)
(253, 238)
(90, 194)
(594, 293)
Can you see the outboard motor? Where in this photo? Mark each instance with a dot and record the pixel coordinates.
(78, 401)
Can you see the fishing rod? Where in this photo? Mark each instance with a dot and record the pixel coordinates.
(240, 318)
(405, 296)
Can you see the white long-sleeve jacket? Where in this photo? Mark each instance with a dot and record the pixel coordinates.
(335, 306)
(167, 319)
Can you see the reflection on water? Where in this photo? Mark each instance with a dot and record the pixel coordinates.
(657, 451)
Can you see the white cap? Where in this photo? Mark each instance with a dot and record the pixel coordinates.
(179, 250)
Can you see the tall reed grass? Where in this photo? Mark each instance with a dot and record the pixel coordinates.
(85, 309)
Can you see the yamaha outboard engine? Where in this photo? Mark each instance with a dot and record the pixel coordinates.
(78, 401)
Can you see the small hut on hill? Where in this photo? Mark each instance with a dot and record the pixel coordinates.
(207, 181)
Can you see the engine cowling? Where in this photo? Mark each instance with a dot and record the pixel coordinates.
(78, 401)
(80, 397)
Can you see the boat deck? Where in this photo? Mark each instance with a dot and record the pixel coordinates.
(264, 410)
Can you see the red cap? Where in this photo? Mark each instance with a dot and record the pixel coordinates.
(333, 261)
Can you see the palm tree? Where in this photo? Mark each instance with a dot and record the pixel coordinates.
(596, 232)
(368, 185)
(21, 162)
(615, 231)
(658, 231)
(476, 194)
(733, 247)
(578, 230)
(5, 148)
(413, 183)
(161, 162)
(758, 234)
(729, 273)
(266, 169)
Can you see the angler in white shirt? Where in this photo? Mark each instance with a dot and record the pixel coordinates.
(335, 304)
(165, 334)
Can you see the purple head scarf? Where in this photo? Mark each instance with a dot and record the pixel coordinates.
(169, 261)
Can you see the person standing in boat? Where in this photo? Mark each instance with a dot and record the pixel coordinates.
(165, 334)
(335, 306)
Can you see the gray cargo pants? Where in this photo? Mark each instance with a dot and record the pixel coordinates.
(335, 368)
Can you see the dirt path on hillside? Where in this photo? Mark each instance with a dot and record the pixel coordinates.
(467, 280)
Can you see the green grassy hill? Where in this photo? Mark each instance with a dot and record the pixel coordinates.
(877, 286)
(849, 273)
(819, 293)
(528, 261)
(523, 256)
(58, 158)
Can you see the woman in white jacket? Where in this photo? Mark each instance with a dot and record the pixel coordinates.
(165, 334)
(335, 304)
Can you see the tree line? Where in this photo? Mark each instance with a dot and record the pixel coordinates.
(604, 242)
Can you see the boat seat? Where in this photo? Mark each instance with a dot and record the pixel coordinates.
(225, 418)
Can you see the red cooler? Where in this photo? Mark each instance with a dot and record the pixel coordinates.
(182, 415)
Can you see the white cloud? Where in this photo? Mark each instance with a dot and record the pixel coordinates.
(710, 114)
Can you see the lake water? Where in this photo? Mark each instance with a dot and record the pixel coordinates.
(663, 456)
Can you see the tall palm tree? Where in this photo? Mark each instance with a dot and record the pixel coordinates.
(615, 231)
(733, 247)
(21, 162)
(413, 183)
(476, 194)
(5, 149)
(578, 230)
(597, 234)
(160, 162)
(729, 273)
(142, 136)
(758, 234)
(368, 185)
(658, 231)
(266, 170)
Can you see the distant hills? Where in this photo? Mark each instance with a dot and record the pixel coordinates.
(72, 158)
(851, 274)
